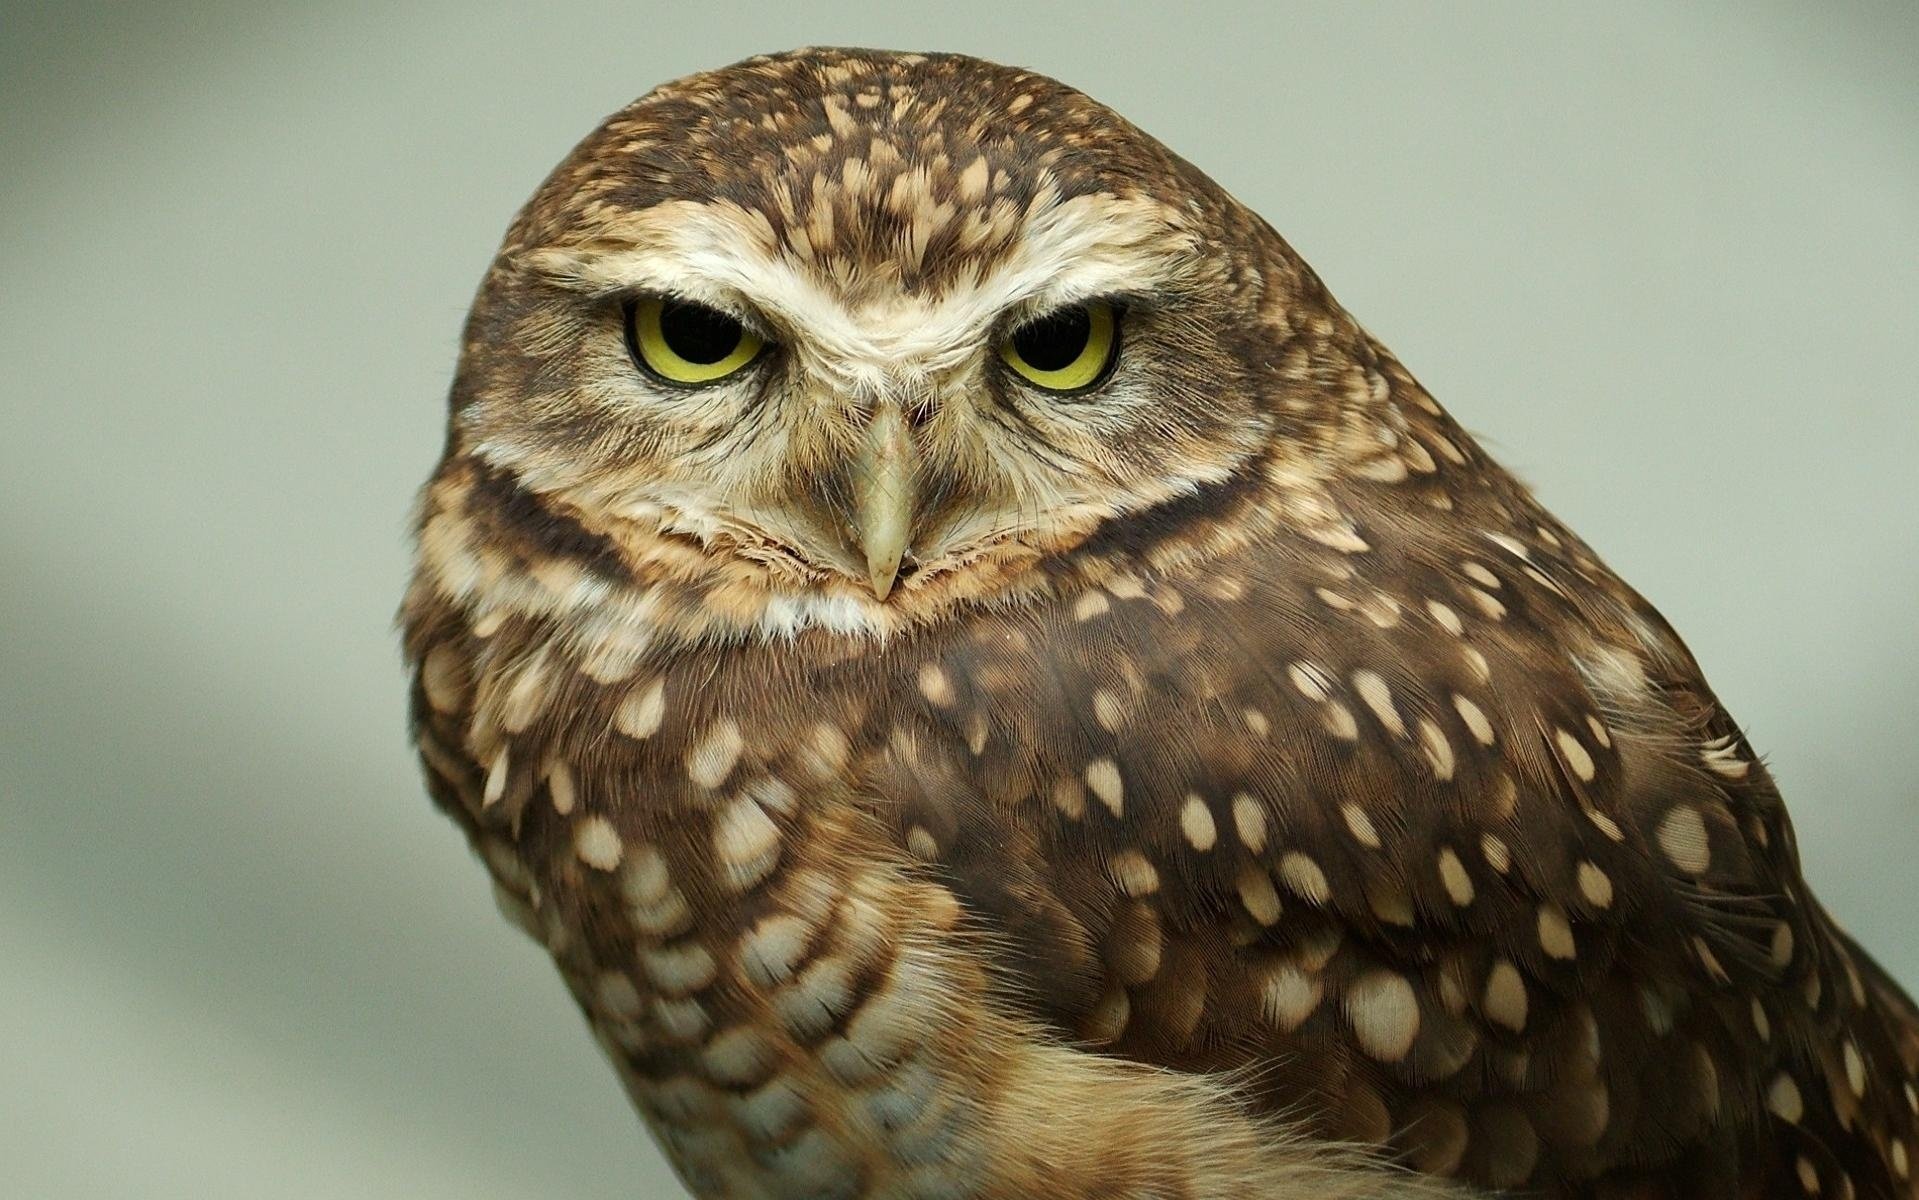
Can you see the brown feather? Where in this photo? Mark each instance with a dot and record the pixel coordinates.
(1261, 729)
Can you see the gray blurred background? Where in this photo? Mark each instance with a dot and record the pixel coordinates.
(1663, 257)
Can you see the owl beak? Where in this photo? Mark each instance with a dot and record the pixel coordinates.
(883, 497)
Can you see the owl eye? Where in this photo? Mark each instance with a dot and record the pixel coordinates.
(686, 343)
(1068, 349)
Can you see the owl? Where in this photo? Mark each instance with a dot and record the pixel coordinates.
(990, 684)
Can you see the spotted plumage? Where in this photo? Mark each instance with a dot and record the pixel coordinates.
(904, 763)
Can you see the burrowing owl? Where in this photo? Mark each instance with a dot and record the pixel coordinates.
(991, 684)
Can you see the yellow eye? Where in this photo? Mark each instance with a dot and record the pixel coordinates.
(1068, 349)
(687, 343)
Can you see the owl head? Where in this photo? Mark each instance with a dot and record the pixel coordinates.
(846, 338)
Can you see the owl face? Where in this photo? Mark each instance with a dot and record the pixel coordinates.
(870, 336)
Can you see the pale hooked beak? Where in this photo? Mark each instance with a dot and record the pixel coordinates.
(883, 497)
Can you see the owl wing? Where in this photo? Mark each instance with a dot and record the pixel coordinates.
(1433, 834)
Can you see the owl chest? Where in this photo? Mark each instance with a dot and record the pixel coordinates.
(736, 926)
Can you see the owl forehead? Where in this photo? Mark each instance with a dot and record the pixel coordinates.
(909, 196)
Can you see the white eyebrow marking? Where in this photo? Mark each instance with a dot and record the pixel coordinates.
(727, 256)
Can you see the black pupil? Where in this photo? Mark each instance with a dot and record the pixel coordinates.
(697, 333)
(1054, 341)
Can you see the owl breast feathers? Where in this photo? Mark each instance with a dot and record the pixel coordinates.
(990, 684)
